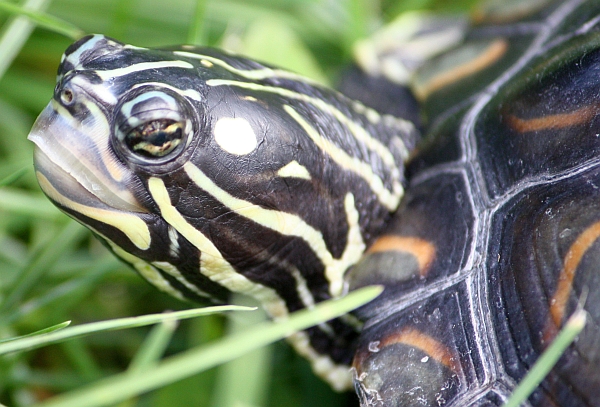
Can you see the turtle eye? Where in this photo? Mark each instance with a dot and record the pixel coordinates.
(152, 126)
(156, 138)
(66, 96)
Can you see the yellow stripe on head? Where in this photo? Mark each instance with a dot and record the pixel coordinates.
(131, 225)
(291, 225)
(390, 199)
(293, 169)
(147, 271)
(212, 263)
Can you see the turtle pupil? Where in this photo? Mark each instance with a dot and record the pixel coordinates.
(155, 138)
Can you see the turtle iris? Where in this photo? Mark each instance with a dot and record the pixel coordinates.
(152, 125)
(156, 138)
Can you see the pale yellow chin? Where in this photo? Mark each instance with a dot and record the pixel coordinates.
(74, 165)
(129, 223)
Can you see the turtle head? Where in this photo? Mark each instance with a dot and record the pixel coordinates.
(96, 116)
(212, 173)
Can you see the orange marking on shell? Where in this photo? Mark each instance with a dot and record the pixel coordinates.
(491, 55)
(423, 250)
(558, 303)
(427, 344)
(555, 121)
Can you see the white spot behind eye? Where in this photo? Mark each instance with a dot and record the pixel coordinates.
(235, 135)
(294, 170)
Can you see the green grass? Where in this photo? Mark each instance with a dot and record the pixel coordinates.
(147, 372)
(52, 271)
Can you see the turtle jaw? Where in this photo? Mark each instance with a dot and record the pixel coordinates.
(77, 168)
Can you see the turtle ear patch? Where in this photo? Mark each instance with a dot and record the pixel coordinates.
(235, 135)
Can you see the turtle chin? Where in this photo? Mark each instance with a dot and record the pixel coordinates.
(75, 165)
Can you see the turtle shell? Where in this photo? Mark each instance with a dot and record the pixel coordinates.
(497, 241)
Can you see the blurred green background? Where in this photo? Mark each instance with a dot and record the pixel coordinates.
(51, 270)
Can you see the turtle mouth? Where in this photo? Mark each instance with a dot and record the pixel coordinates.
(75, 166)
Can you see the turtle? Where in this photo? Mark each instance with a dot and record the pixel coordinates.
(470, 194)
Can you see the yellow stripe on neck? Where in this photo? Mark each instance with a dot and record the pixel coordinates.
(292, 225)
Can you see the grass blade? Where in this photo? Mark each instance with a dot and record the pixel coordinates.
(43, 20)
(153, 347)
(64, 291)
(110, 325)
(15, 175)
(122, 386)
(548, 359)
(15, 33)
(233, 385)
(40, 263)
(197, 30)
(44, 331)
